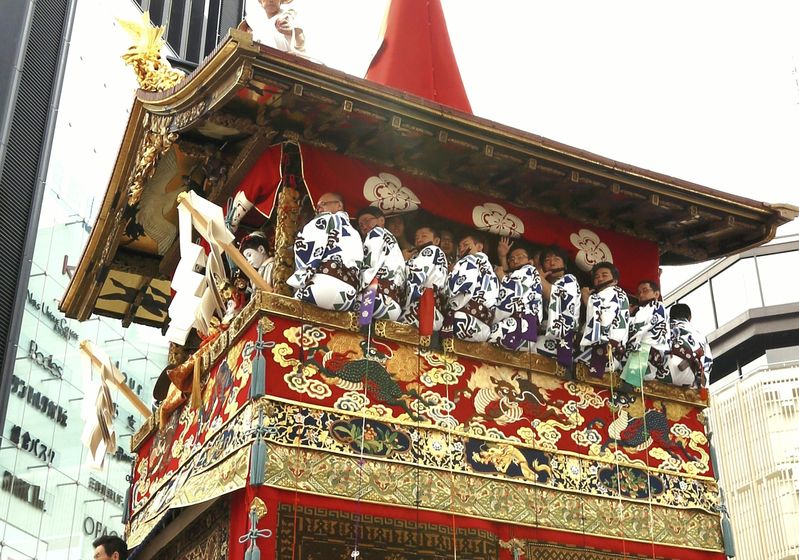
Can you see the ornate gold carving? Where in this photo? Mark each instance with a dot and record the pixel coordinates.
(145, 430)
(153, 71)
(268, 407)
(399, 332)
(240, 321)
(193, 150)
(672, 392)
(530, 505)
(234, 122)
(185, 118)
(514, 545)
(290, 307)
(218, 347)
(652, 389)
(490, 353)
(267, 325)
(280, 304)
(156, 142)
(259, 506)
(545, 365)
(288, 210)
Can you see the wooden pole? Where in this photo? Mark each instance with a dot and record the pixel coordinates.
(231, 250)
(134, 399)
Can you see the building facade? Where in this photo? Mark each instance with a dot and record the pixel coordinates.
(749, 306)
(52, 506)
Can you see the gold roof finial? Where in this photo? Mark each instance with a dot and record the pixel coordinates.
(152, 70)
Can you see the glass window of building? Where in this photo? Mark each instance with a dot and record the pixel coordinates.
(52, 505)
(701, 304)
(736, 290)
(778, 277)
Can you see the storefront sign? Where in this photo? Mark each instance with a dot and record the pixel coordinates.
(61, 327)
(121, 456)
(132, 383)
(101, 489)
(23, 490)
(44, 361)
(94, 528)
(38, 401)
(58, 322)
(32, 445)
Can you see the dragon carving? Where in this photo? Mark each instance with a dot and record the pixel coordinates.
(642, 432)
(506, 402)
(351, 373)
(503, 456)
(152, 70)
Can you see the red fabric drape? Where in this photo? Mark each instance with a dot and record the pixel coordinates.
(416, 54)
(262, 180)
(361, 184)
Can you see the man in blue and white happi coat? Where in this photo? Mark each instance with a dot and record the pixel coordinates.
(688, 360)
(518, 310)
(561, 293)
(473, 291)
(648, 340)
(383, 260)
(328, 254)
(425, 271)
(607, 319)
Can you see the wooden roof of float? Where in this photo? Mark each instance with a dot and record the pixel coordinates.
(210, 128)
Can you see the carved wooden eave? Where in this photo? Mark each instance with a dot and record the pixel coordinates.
(110, 258)
(245, 97)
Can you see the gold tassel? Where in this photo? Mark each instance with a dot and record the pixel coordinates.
(196, 390)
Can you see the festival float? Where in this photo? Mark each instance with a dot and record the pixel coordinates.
(294, 432)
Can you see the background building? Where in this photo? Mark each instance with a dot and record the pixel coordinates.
(65, 95)
(193, 27)
(750, 307)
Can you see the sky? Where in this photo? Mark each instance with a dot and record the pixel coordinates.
(704, 91)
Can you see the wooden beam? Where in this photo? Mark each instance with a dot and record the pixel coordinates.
(230, 249)
(126, 391)
(130, 313)
(134, 262)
